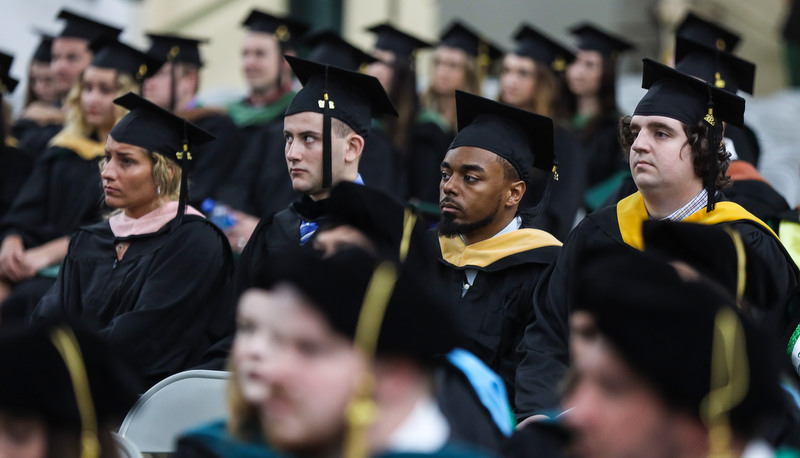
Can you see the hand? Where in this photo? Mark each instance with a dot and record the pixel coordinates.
(240, 233)
(35, 260)
(12, 253)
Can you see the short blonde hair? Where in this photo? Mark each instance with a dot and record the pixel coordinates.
(75, 121)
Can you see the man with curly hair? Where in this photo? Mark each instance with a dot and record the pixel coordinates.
(678, 162)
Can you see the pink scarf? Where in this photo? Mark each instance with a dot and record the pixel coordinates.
(124, 226)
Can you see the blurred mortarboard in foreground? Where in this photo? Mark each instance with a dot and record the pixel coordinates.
(522, 138)
(38, 365)
(536, 45)
(78, 26)
(593, 38)
(677, 332)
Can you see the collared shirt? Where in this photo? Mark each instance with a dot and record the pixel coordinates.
(307, 228)
(425, 430)
(699, 201)
(470, 274)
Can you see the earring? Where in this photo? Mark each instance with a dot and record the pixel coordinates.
(158, 190)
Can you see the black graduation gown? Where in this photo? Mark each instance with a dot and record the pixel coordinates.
(63, 192)
(34, 137)
(545, 343)
(259, 184)
(566, 194)
(15, 166)
(212, 162)
(273, 234)
(378, 164)
(604, 155)
(166, 301)
(428, 145)
(495, 310)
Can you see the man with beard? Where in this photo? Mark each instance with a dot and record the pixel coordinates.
(490, 255)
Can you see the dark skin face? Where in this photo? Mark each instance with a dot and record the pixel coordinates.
(476, 199)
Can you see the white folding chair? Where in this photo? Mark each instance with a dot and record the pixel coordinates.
(172, 406)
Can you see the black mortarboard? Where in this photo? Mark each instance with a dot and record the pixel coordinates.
(522, 138)
(88, 29)
(664, 327)
(353, 98)
(683, 97)
(418, 321)
(36, 379)
(709, 33)
(718, 253)
(9, 83)
(288, 31)
(176, 48)
(396, 41)
(536, 45)
(44, 52)
(721, 68)
(127, 59)
(328, 47)
(592, 38)
(458, 35)
(383, 220)
(155, 129)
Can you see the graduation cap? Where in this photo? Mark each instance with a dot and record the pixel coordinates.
(328, 47)
(687, 99)
(536, 45)
(155, 129)
(110, 53)
(8, 83)
(459, 35)
(668, 330)
(718, 253)
(174, 48)
(44, 51)
(721, 68)
(402, 44)
(592, 38)
(522, 138)
(78, 26)
(683, 97)
(67, 375)
(392, 227)
(351, 97)
(709, 33)
(416, 306)
(288, 31)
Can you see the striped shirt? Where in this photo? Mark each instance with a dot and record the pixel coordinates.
(699, 201)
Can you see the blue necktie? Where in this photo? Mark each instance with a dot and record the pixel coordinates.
(307, 229)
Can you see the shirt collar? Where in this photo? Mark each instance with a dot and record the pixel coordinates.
(425, 430)
(515, 224)
(699, 201)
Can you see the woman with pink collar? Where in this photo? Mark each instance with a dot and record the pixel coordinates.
(155, 276)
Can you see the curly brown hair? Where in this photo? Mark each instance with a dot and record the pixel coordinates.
(708, 164)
